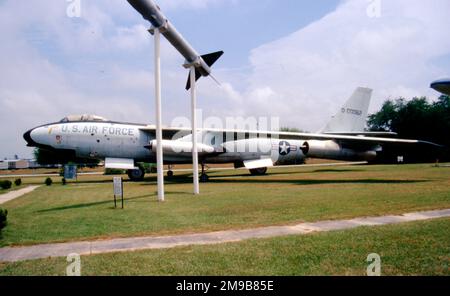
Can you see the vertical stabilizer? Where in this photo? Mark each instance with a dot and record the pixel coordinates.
(352, 116)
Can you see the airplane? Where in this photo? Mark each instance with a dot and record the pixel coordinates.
(442, 86)
(125, 145)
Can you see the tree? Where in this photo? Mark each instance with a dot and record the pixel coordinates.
(415, 119)
(382, 120)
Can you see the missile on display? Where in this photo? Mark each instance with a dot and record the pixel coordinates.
(152, 13)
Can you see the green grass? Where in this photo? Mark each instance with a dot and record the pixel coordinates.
(232, 200)
(418, 248)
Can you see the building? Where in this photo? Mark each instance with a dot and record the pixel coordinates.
(3, 165)
(17, 164)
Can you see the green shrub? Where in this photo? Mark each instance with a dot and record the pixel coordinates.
(48, 181)
(18, 182)
(3, 216)
(114, 172)
(149, 168)
(6, 184)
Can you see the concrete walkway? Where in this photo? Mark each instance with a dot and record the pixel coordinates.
(15, 194)
(144, 243)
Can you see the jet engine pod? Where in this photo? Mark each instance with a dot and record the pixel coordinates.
(321, 149)
(332, 150)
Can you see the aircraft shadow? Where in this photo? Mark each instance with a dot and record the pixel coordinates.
(218, 180)
(335, 171)
(212, 175)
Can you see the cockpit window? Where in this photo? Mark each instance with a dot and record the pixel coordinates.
(84, 117)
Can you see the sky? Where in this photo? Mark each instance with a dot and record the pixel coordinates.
(296, 60)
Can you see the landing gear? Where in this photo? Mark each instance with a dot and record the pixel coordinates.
(170, 172)
(204, 177)
(258, 171)
(136, 175)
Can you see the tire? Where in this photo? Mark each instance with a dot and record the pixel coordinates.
(136, 175)
(258, 172)
(204, 178)
(170, 174)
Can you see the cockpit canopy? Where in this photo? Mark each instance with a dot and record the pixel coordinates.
(83, 117)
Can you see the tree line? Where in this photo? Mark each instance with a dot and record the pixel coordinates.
(417, 119)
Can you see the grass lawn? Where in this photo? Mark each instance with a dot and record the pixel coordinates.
(231, 200)
(418, 248)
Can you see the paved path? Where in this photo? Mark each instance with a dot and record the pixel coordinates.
(15, 194)
(163, 242)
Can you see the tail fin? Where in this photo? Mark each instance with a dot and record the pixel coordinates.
(352, 116)
(209, 59)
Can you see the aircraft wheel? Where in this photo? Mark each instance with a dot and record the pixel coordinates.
(136, 175)
(258, 172)
(204, 178)
(170, 174)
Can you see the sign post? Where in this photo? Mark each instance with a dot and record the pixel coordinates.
(118, 190)
(70, 172)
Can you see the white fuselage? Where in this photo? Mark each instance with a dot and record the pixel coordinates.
(94, 139)
(100, 140)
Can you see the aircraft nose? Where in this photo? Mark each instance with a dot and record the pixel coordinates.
(30, 141)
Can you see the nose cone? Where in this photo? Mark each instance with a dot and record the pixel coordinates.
(37, 137)
(30, 141)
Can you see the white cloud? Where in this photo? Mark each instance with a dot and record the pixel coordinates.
(192, 4)
(306, 76)
(53, 65)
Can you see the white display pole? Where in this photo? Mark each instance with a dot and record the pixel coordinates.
(159, 151)
(194, 131)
